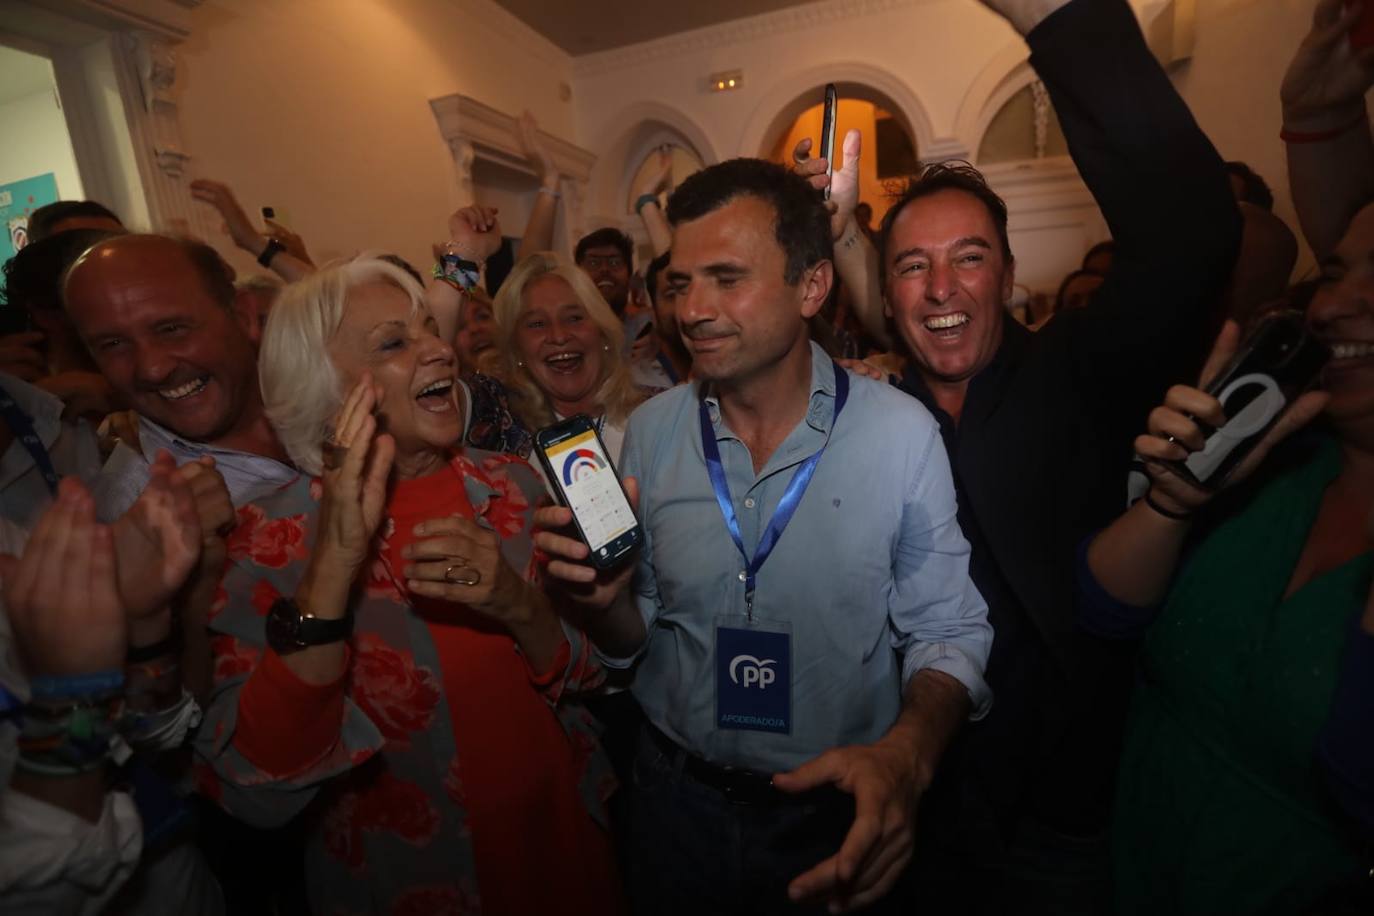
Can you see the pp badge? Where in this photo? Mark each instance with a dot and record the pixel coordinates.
(753, 680)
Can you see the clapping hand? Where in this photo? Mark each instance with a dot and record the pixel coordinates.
(357, 463)
(62, 595)
(1178, 418)
(455, 559)
(843, 182)
(157, 542)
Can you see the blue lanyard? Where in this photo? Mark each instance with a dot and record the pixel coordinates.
(791, 497)
(21, 425)
(668, 369)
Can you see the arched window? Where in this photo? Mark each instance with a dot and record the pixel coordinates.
(1025, 127)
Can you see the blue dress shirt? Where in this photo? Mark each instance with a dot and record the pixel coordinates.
(870, 577)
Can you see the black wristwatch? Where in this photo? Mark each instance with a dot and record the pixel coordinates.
(274, 247)
(288, 630)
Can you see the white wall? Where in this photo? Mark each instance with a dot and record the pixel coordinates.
(36, 142)
(321, 109)
(945, 65)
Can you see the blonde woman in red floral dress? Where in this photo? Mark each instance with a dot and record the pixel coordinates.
(385, 662)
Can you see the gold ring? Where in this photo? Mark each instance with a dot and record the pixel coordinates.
(473, 576)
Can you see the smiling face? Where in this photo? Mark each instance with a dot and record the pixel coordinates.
(560, 345)
(476, 335)
(611, 274)
(1342, 314)
(171, 351)
(734, 308)
(382, 333)
(946, 285)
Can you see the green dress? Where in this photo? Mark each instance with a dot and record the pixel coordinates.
(1221, 805)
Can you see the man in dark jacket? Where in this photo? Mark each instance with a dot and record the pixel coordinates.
(1039, 430)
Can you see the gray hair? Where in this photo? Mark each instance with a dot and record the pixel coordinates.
(301, 388)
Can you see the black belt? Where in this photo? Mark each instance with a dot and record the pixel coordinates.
(739, 785)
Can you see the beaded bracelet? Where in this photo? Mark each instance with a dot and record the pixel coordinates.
(69, 740)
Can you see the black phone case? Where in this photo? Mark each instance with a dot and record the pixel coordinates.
(828, 119)
(1277, 363)
(633, 537)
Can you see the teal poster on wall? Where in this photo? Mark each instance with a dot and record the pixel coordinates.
(17, 200)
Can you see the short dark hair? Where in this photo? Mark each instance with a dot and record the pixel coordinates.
(33, 277)
(657, 266)
(954, 175)
(42, 220)
(801, 224)
(1255, 190)
(600, 239)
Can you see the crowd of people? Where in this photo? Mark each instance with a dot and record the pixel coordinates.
(292, 621)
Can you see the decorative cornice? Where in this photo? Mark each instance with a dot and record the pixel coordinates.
(494, 137)
(736, 31)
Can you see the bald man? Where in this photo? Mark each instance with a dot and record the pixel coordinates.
(174, 338)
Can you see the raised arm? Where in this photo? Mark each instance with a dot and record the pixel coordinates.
(1330, 153)
(539, 231)
(648, 204)
(289, 261)
(1155, 176)
(474, 236)
(856, 260)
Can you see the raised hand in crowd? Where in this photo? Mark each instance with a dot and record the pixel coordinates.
(539, 231)
(474, 235)
(1134, 558)
(1330, 153)
(657, 180)
(856, 260)
(274, 252)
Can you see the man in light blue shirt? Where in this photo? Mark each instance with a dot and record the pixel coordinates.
(843, 658)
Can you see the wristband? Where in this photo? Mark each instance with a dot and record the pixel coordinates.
(273, 248)
(457, 271)
(75, 739)
(643, 201)
(1318, 136)
(1174, 516)
(77, 686)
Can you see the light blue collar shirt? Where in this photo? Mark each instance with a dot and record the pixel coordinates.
(870, 577)
(247, 476)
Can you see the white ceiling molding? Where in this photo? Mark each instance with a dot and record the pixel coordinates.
(477, 132)
(736, 31)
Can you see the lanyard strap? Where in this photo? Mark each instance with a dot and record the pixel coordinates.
(668, 369)
(21, 425)
(791, 497)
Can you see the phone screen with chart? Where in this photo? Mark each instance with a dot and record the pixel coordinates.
(578, 466)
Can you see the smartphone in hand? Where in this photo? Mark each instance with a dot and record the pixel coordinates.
(832, 104)
(1278, 362)
(581, 474)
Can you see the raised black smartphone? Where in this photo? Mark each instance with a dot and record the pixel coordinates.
(1278, 362)
(832, 104)
(583, 478)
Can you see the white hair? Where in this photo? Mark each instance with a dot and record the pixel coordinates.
(301, 388)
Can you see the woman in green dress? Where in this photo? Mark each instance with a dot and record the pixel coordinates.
(1247, 777)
